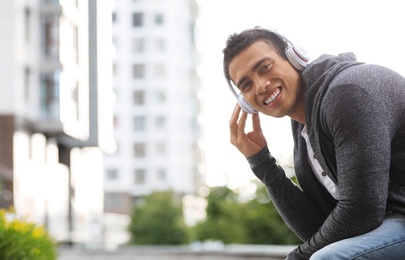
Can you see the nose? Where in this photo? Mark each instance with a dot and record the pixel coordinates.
(262, 85)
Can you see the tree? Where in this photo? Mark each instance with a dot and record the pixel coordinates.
(158, 221)
(223, 220)
(253, 222)
(263, 223)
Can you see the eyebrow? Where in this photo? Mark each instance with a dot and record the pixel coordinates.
(254, 69)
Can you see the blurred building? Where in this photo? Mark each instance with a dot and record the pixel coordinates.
(156, 111)
(56, 113)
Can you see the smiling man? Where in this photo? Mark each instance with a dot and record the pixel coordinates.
(348, 125)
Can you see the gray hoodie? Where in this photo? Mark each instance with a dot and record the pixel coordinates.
(355, 116)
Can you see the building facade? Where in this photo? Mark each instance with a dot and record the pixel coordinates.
(157, 108)
(56, 113)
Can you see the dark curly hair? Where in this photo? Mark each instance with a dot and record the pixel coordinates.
(236, 43)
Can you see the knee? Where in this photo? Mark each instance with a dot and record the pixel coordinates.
(318, 255)
(326, 253)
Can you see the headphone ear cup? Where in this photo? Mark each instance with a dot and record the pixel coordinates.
(297, 56)
(245, 105)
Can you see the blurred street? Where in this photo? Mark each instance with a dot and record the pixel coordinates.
(231, 252)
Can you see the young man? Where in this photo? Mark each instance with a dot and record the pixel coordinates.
(348, 125)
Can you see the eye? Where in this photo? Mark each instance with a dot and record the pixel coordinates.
(266, 67)
(245, 86)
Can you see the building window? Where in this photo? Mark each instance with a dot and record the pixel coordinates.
(137, 19)
(161, 148)
(160, 70)
(49, 101)
(138, 71)
(114, 69)
(113, 201)
(115, 95)
(75, 101)
(112, 174)
(159, 19)
(139, 124)
(115, 43)
(50, 37)
(139, 150)
(139, 97)
(138, 45)
(161, 173)
(27, 22)
(160, 97)
(116, 121)
(75, 42)
(27, 76)
(140, 176)
(160, 44)
(160, 122)
(117, 150)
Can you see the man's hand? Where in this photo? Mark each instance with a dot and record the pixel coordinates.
(248, 144)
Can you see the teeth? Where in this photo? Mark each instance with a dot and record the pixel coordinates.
(270, 99)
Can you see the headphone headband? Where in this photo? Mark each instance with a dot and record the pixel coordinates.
(296, 55)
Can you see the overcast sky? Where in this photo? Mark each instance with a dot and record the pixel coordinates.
(372, 29)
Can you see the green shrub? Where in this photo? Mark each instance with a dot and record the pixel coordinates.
(158, 221)
(23, 240)
(231, 220)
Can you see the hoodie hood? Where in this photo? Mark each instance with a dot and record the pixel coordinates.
(327, 66)
(317, 77)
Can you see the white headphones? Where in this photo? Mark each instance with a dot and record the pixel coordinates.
(296, 55)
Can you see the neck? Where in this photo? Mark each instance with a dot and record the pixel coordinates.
(299, 113)
(300, 120)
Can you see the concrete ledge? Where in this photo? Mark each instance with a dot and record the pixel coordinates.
(192, 252)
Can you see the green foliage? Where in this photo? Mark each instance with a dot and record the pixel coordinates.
(224, 219)
(158, 221)
(263, 223)
(20, 239)
(253, 222)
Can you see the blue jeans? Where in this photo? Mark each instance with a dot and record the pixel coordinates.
(387, 242)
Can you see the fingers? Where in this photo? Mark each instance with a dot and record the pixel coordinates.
(247, 143)
(237, 125)
(233, 123)
(256, 122)
(242, 123)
